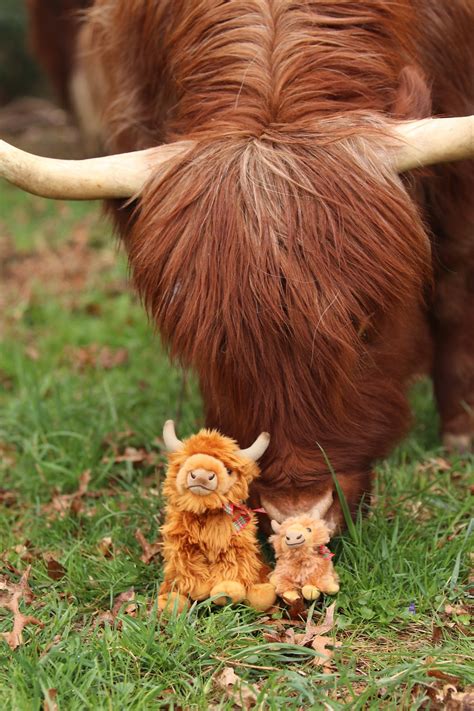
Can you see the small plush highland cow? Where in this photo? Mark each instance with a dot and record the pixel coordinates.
(303, 562)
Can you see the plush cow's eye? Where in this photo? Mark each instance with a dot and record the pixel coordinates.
(309, 530)
(229, 471)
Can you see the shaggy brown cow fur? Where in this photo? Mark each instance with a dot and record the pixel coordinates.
(283, 260)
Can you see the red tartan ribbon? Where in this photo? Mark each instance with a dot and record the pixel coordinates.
(325, 552)
(241, 515)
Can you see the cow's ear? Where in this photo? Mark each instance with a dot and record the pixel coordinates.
(276, 526)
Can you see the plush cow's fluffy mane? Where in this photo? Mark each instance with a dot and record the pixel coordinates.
(271, 256)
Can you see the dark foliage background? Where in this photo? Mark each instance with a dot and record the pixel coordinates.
(19, 74)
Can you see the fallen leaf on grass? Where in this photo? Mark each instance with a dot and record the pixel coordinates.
(7, 455)
(455, 610)
(32, 353)
(56, 571)
(110, 616)
(10, 596)
(94, 356)
(7, 497)
(106, 546)
(314, 636)
(434, 465)
(133, 455)
(241, 693)
(112, 439)
(63, 504)
(150, 550)
(448, 698)
(50, 704)
(438, 674)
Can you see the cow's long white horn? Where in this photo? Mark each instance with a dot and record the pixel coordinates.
(173, 444)
(116, 176)
(431, 141)
(257, 449)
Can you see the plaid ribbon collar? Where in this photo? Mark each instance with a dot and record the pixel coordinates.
(325, 552)
(241, 515)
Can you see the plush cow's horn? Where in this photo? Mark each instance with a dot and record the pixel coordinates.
(173, 444)
(275, 526)
(256, 450)
(117, 176)
(431, 141)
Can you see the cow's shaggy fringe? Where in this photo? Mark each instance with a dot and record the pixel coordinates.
(281, 259)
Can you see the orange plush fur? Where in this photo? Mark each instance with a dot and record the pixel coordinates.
(204, 553)
(303, 564)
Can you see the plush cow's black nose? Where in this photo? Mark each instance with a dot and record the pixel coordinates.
(193, 475)
(211, 476)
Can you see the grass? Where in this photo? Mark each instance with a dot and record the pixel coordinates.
(65, 409)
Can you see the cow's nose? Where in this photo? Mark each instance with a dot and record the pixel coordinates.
(200, 481)
(294, 539)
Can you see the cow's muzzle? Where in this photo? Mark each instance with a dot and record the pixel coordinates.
(201, 481)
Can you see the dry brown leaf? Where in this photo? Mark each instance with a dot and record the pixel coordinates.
(133, 455)
(110, 616)
(241, 693)
(95, 356)
(452, 610)
(434, 465)
(7, 455)
(150, 550)
(50, 703)
(64, 504)
(7, 497)
(56, 570)
(314, 636)
(32, 352)
(319, 644)
(10, 596)
(438, 674)
(112, 439)
(106, 546)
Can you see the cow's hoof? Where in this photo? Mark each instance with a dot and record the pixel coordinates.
(331, 589)
(290, 596)
(458, 443)
(310, 592)
(261, 596)
(172, 602)
(228, 591)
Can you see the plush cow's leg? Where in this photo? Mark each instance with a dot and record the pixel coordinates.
(451, 200)
(229, 591)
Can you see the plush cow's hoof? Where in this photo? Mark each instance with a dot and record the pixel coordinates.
(261, 596)
(310, 592)
(331, 589)
(172, 602)
(229, 591)
(290, 596)
(200, 592)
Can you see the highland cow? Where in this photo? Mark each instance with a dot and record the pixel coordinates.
(277, 235)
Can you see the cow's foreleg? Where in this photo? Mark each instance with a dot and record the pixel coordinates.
(453, 313)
